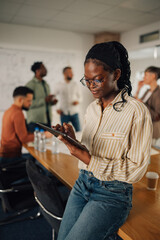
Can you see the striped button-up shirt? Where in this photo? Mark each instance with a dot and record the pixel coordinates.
(119, 142)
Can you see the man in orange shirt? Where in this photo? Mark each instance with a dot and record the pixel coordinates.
(14, 131)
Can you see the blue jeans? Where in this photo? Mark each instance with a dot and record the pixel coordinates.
(95, 209)
(74, 119)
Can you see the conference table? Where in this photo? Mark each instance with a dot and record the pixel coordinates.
(143, 222)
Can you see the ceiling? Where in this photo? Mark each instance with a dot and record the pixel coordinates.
(84, 16)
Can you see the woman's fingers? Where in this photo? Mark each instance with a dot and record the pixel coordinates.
(83, 155)
(70, 146)
(59, 128)
(69, 130)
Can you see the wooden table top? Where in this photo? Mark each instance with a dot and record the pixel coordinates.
(63, 166)
(144, 219)
(143, 222)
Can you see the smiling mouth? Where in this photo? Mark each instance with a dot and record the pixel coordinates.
(94, 91)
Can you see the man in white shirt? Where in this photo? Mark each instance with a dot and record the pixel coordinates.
(69, 97)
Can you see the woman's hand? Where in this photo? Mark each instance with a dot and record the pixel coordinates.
(59, 128)
(140, 100)
(82, 155)
(140, 85)
(66, 128)
(48, 134)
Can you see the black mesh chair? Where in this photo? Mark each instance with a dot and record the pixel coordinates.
(47, 195)
(16, 192)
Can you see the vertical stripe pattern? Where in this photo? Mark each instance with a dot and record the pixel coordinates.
(119, 142)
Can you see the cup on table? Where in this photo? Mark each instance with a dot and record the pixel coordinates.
(55, 147)
(152, 180)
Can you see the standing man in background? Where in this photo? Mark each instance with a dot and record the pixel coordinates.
(40, 110)
(69, 97)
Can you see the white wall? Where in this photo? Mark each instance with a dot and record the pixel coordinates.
(39, 39)
(19, 36)
(130, 40)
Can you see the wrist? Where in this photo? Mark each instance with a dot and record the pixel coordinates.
(137, 93)
(87, 158)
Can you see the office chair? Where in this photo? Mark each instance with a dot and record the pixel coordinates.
(16, 192)
(47, 195)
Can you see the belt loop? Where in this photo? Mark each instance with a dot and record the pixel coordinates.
(90, 174)
(82, 171)
(102, 183)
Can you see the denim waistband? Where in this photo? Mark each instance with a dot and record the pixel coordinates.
(91, 175)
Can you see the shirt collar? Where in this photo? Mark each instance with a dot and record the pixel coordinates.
(37, 80)
(116, 99)
(156, 88)
(16, 107)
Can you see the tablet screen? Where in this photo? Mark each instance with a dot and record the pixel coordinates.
(56, 133)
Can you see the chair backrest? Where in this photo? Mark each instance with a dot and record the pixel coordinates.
(46, 194)
(3, 196)
(12, 172)
(12, 178)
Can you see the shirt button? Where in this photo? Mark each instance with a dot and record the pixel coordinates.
(112, 134)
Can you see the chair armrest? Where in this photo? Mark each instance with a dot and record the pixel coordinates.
(13, 167)
(17, 188)
(13, 164)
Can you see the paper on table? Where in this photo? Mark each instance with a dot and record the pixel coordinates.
(61, 146)
(154, 152)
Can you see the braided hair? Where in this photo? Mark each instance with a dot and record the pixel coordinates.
(113, 55)
(124, 80)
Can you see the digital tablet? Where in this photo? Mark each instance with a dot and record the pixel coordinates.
(56, 133)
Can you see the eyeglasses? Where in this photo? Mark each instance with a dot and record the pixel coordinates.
(87, 82)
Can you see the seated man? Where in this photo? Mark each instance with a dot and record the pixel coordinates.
(14, 131)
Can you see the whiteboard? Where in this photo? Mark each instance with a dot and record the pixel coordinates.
(15, 69)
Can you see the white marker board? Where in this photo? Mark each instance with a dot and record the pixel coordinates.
(15, 69)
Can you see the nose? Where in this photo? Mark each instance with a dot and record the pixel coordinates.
(92, 84)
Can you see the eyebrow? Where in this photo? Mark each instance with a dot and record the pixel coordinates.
(94, 76)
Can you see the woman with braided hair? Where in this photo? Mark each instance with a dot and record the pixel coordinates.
(117, 135)
(151, 99)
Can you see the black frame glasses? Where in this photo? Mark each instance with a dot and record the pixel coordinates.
(88, 82)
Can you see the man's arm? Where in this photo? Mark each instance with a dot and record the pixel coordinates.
(21, 130)
(36, 103)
